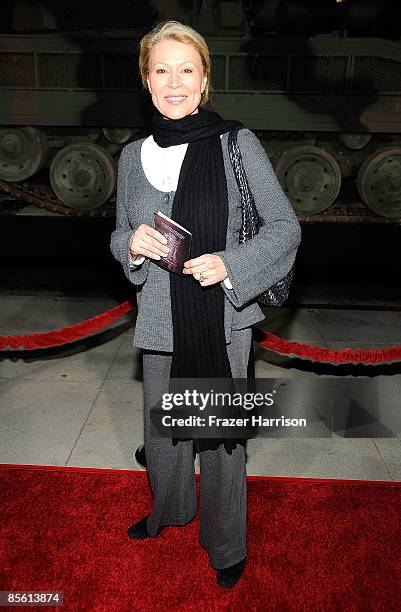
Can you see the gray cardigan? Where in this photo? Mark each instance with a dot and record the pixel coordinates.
(252, 267)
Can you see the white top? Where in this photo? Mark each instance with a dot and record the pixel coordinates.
(162, 166)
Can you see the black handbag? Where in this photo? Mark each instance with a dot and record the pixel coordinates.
(277, 294)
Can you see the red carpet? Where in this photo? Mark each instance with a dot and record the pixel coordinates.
(313, 545)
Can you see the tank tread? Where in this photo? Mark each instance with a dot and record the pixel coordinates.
(346, 212)
(43, 197)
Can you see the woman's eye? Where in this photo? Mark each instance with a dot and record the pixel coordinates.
(163, 69)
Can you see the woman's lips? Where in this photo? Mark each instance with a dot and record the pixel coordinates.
(175, 99)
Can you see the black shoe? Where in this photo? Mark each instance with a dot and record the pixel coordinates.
(139, 531)
(229, 576)
(140, 456)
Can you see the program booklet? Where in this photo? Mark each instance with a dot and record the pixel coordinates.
(178, 241)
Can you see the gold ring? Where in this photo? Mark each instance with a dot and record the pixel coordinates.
(201, 277)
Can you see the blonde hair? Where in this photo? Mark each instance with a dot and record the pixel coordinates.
(175, 30)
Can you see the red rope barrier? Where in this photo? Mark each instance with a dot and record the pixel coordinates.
(267, 340)
(324, 355)
(71, 333)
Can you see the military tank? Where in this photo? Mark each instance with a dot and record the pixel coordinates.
(318, 82)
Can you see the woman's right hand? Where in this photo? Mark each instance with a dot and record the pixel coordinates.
(147, 241)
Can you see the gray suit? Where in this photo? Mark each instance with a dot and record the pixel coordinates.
(252, 268)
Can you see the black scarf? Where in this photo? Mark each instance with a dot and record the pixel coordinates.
(200, 205)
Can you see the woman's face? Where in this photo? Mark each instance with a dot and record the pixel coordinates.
(175, 78)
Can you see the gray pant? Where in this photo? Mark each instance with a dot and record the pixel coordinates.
(223, 491)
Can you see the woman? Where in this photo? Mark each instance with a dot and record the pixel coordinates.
(198, 323)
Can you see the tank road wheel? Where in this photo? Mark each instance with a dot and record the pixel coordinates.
(118, 135)
(310, 177)
(83, 175)
(355, 142)
(379, 182)
(23, 152)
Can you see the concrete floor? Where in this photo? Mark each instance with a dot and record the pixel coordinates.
(81, 405)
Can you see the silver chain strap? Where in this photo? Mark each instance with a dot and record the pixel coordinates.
(252, 222)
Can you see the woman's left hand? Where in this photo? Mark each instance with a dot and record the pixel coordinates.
(208, 269)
